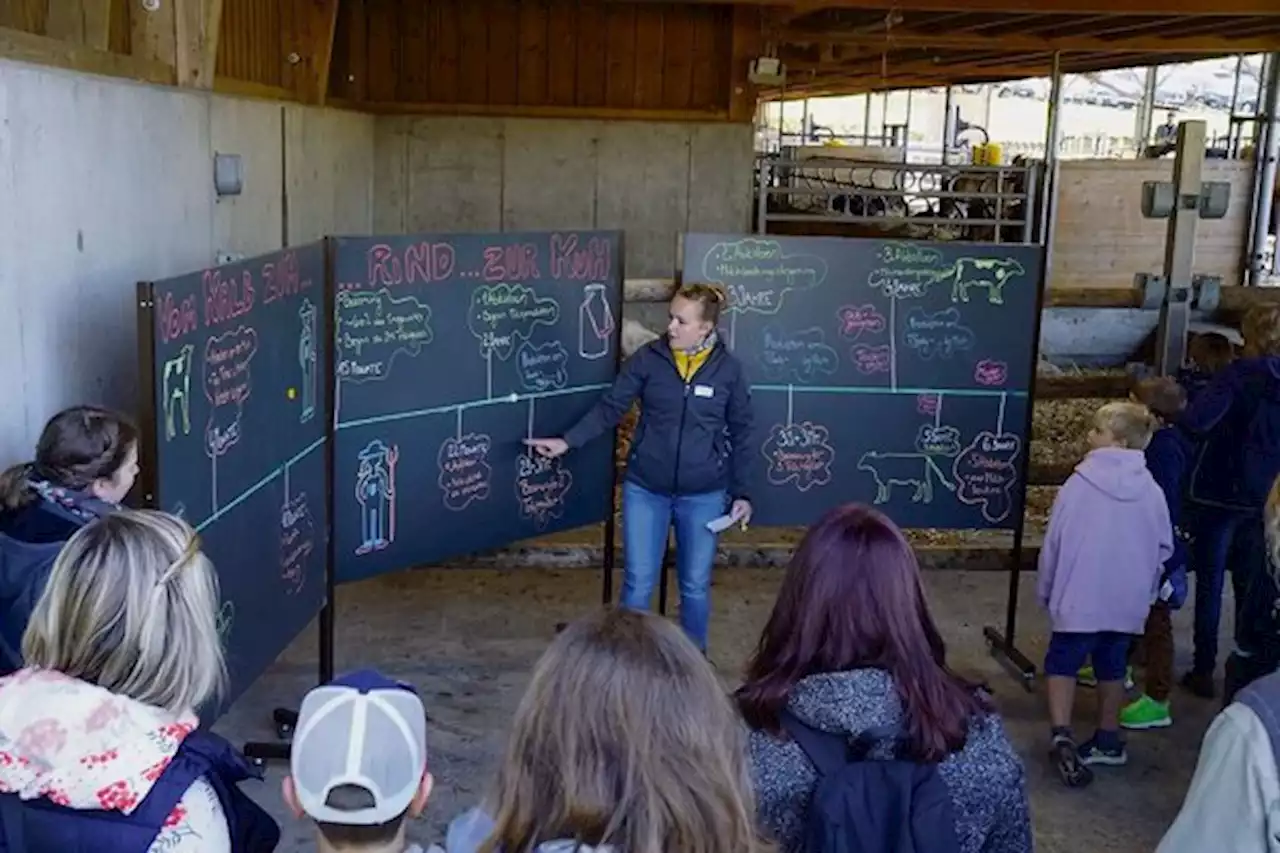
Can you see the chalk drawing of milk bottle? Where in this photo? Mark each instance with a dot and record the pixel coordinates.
(595, 323)
(376, 494)
(307, 358)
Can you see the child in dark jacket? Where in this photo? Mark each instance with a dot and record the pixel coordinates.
(1168, 456)
(1237, 420)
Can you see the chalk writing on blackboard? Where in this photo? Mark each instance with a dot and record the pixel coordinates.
(855, 320)
(542, 367)
(226, 618)
(175, 319)
(373, 328)
(595, 323)
(418, 262)
(228, 383)
(541, 487)
(572, 260)
(990, 274)
(988, 372)
(465, 473)
(376, 494)
(914, 470)
(871, 360)
(937, 334)
(928, 404)
(297, 541)
(800, 356)
(902, 283)
(909, 254)
(503, 314)
(938, 440)
(799, 453)
(760, 274)
(176, 388)
(986, 472)
(307, 359)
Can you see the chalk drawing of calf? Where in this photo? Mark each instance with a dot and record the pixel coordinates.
(991, 273)
(903, 469)
(177, 391)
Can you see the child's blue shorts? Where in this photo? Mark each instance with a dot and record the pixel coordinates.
(1108, 649)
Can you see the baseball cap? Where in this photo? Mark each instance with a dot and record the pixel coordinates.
(360, 729)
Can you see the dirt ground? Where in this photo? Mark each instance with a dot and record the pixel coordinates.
(468, 638)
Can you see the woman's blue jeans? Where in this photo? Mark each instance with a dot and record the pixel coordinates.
(647, 517)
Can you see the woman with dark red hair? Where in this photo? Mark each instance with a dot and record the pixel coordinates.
(851, 648)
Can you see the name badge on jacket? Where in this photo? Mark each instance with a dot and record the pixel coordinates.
(703, 391)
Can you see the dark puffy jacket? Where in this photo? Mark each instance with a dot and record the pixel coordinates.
(1237, 420)
(692, 438)
(1168, 459)
(40, 826)
(30, 539)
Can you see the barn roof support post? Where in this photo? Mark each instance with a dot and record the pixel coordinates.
(1049, 180)
(866, 121)
(1265, 153)
(947, 127)
(1179, 247)
(1146, 111)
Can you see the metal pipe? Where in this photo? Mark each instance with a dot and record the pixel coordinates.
(1146, 111)
(946, 128)
(866, 121)
(906, 130)
(804, 123)
(1267, 152)
(1235, 87)
(1049, 187)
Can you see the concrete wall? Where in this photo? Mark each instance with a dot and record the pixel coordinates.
(652, 179)
(104, 183)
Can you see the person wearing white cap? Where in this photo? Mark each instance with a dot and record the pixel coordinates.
(358, 766)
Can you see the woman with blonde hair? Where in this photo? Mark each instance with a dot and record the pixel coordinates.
(99, 748)
(624, 741)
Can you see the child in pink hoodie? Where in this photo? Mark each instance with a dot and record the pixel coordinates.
(1100, 566)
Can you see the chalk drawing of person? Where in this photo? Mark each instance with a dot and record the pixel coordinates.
(307, 358)
(376, 494)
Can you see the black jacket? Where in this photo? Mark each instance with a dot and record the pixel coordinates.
(30, 539)
(692, 438)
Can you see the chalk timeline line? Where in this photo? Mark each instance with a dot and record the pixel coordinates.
(893, 344)
(857, 389)
(258, 486)
(790, 404)
(1000, 417)
(937, 412)
(473, 404)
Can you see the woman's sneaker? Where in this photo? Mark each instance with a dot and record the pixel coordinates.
(1145, 713)
(1092, 753)
(1086, 677)
(1066, 758)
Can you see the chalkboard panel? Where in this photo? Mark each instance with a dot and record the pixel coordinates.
(894, 373)
(239, 449)
(450, 350)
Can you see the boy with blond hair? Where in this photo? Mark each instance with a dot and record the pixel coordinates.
(1100, 566)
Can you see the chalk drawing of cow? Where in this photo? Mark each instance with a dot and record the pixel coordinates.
(903, 469)
(991, 273)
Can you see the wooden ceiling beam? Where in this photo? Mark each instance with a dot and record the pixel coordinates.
(86, 22)
(948, 41)
(197, 24)
(315, 29)
(1186, 8)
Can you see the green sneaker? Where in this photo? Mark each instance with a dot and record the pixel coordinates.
(1145, 713)
(1086, 678)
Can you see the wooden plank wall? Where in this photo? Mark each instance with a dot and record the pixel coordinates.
(32, 16)
(492, 55)
(1102, 239)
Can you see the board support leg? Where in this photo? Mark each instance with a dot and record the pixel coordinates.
(1002, 643)
(664, 578)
